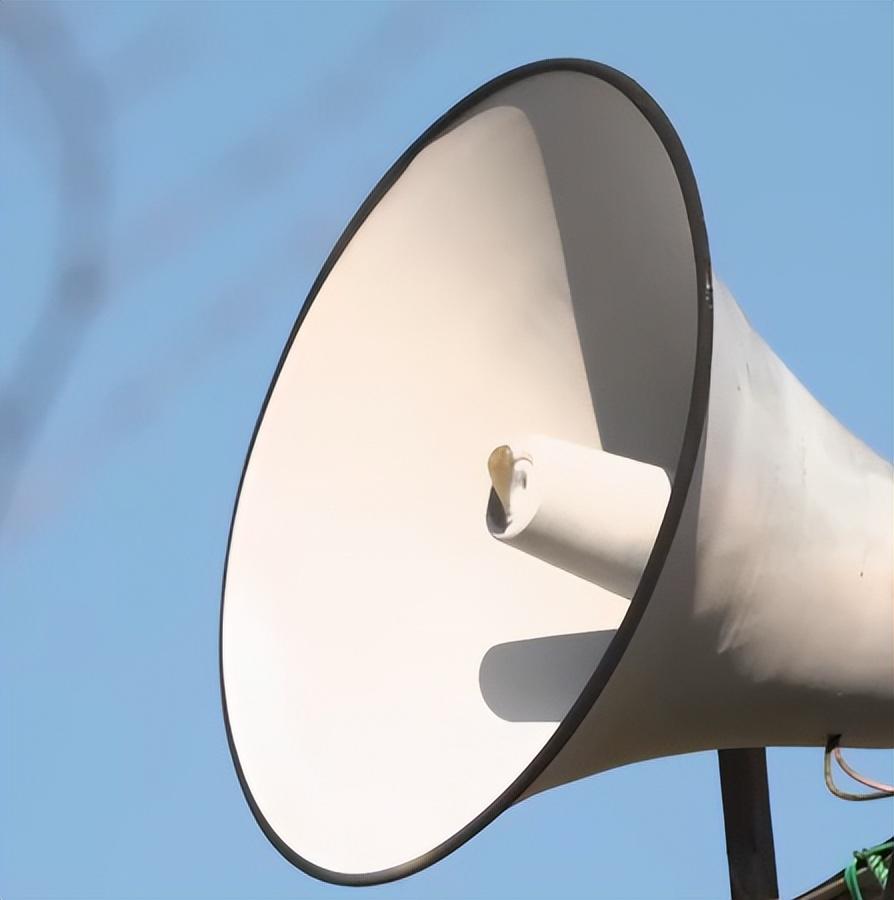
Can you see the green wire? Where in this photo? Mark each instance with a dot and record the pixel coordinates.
(874, 860)
(850, 880)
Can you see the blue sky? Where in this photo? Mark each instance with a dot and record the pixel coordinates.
(226, 146)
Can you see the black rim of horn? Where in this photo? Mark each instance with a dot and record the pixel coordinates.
(702, 294)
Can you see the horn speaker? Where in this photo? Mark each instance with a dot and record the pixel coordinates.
(528, 499)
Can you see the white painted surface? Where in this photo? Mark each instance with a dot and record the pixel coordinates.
(773, 620)
(389, 667)
(591, 513)
(383, 655)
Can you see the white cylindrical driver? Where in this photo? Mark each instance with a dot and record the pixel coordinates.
(589, 512)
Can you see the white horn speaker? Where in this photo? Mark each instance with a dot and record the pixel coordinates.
(528, 499)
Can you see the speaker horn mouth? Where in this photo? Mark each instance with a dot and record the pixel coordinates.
(273, 808)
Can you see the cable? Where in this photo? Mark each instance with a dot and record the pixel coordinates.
(869, 782)
(873, 859)
(880, 791)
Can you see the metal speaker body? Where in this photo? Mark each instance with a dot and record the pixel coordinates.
(698, 555)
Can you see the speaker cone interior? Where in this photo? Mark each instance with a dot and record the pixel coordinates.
(393, 675)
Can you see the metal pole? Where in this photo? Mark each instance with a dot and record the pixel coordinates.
(748, 826)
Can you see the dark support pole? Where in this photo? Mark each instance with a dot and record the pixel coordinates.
(746, 819)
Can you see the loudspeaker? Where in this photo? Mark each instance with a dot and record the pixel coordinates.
(528, 499)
